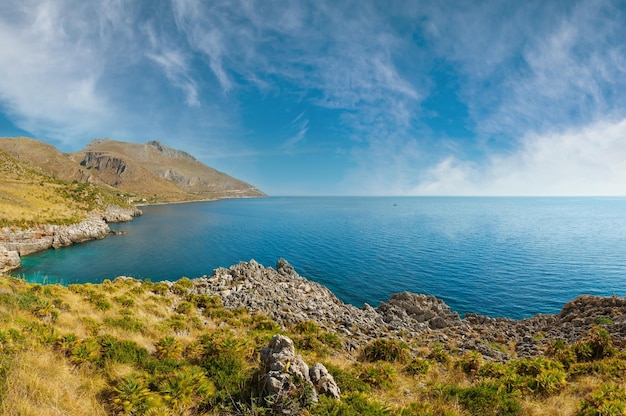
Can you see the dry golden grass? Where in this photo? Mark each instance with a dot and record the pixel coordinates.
(41, 383)
(36, 203)
(45, 379)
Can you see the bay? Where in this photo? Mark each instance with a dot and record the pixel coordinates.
(511, 257)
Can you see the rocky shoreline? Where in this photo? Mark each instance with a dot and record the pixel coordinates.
(15, 242)
(289, 298)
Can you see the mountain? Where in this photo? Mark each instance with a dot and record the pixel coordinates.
(150, 172)
(44, 158)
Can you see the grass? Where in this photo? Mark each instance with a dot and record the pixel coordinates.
(156, 351)
(29, 198)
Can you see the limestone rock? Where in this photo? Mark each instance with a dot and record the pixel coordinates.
(323, 381)
(9, 260)
(285, 374)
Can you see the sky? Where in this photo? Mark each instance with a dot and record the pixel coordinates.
(334, 97)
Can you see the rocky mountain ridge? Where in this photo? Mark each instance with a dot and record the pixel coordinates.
(148, 172)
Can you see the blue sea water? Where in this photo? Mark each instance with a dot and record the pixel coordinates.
(511, 257)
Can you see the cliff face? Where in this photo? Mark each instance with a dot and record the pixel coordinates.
(154, 169)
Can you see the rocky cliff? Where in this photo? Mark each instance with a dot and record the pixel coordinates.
(289, 298)
(153, 170)
(16, 242)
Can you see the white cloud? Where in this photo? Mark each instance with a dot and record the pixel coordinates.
(48, 77)
(587, 161)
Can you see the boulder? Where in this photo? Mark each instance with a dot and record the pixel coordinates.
(9, 260)
(323, 381)
(285, 377)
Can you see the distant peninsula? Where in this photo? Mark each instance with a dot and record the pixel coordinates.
(52, 199)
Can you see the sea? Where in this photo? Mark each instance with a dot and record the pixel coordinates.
(502, 257)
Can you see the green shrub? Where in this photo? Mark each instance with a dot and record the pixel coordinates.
(159, 288)
(378, 375)
(608, 400)
(389, 350)
(549, 381)
(131, 396)
(99, 300)
(168, 348)
(438, 354)
(121, 351)
(186, 389)
(596, 345)
(125, 301)
(608, 367)
(470, 362)
(417, 366)
(206, 301)
(182, 286)
(126, 323)
(603, 320)
(306, 327)
(562, 352)
(183, 308)
(354, 404)
(347, 381)
(486, 399)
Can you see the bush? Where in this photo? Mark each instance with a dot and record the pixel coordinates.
(597, 345)
(306, 327)
(126, 323)
(182, 286)
(186, 389)
(131, 396)
(471, 362)
(486, 399)
(168, 348)
(355, 404)
(123, 352)
(347, 381)
(379, 375)
(389, 350)
(608, 400)
(183, 308)
(417, 366)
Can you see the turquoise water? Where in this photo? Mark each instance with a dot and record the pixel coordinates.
(512, 257)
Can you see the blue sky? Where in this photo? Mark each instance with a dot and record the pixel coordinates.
(334, 97)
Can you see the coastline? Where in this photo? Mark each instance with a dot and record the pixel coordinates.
(17, 243)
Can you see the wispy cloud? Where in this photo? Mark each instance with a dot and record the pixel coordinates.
(300, 125)
(49, 78)
(341, 57)
(176, 67)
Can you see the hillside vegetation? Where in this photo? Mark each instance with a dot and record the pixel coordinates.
(29, 197)
(143, 173)
(128, 347)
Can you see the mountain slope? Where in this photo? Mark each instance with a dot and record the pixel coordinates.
(150, 172)
(162, 171)
(44, 158)
(29, 197)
